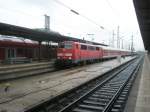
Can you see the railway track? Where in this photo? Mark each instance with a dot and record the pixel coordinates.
(105, 93)
(8, 73)
(24, 70)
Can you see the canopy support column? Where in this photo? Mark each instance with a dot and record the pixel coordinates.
(39, 56)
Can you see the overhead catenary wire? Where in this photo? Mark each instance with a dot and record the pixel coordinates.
(113, 10)
(77, 13)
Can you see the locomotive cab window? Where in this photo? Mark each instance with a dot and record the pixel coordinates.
(65, 45)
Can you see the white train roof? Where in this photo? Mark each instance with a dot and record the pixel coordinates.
(103, 47)
(111, 48)
(106, 47)
(15, 39)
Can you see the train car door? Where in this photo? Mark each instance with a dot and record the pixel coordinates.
(2, 53)
(101, 52)
(10, 52)
(77, 52)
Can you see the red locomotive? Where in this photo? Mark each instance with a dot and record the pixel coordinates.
(70, 52)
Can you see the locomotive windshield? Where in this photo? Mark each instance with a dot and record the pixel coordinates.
(65, 45)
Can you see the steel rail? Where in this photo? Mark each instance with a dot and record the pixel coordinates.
(46, 105)
(80, 106)
(130, 79)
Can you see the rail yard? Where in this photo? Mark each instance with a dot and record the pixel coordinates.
(21, 92)
(74, 56)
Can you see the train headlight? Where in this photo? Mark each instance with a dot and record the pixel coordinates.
(68, 54)
(60, 54)
(70, 58)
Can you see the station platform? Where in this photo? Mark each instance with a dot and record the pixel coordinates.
(143, 98)
(13, 71)
(28, 91)
(139, 97)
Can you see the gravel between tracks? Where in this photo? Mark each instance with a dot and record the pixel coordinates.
(25, 92)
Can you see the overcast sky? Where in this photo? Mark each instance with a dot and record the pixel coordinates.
(107, 13)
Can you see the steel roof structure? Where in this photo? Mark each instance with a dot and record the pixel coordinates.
(142, 8)
(37, 35)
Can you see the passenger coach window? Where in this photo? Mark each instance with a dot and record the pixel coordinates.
(83, 47)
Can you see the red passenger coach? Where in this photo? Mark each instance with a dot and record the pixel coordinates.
(13, 48)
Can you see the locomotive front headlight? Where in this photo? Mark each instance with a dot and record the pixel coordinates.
(70, 58)
(60, 54)
(68, 54)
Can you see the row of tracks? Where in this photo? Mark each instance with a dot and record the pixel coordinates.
(11, 75)
(108, 92)
(8, 73)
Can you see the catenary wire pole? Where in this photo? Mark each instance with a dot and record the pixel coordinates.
(118, 38)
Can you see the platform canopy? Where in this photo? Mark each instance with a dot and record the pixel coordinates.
(37, 35)
(142, 8)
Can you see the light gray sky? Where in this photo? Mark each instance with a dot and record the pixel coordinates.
(106, 13)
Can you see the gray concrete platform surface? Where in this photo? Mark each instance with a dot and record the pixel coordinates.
(13, 71)
(143, 98)
(25, 92)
